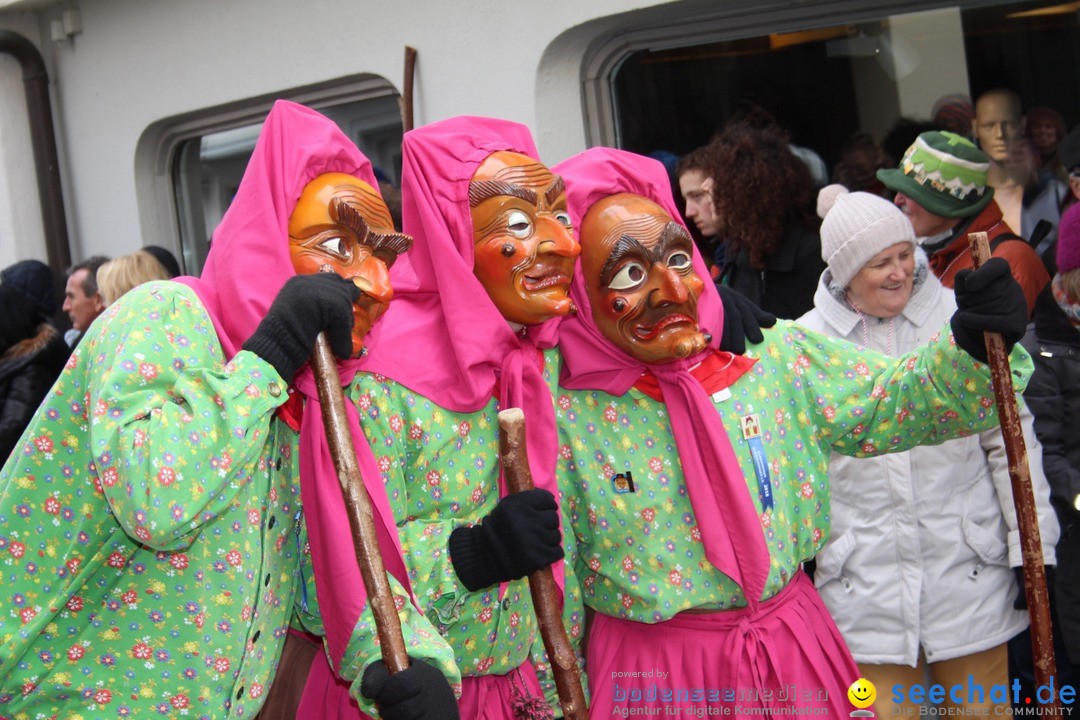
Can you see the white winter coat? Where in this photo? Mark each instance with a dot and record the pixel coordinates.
(922, 541)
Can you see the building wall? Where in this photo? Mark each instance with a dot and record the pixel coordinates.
(138, 67)
(137, 62)
(21, 227)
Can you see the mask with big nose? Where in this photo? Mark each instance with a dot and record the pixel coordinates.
(341, 224)
(524, 250)
(640, 280)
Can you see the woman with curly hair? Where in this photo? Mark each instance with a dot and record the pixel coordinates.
(762, 194)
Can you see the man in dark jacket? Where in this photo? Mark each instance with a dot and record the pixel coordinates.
(82, 301)
(941, 187)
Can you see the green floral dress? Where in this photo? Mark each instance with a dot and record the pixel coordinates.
(441, 470)
(640, 554)
(151, 528)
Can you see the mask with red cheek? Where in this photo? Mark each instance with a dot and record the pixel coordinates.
(639, 276)
(523, 245)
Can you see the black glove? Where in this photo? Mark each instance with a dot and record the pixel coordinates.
(306, 305)
(1020, 603)
(419, 692)
(743, 321)
(988, 300)
(520, 535)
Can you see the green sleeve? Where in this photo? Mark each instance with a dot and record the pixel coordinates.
(422, 641)
(174, 429)
(864, 403)
(425, 538)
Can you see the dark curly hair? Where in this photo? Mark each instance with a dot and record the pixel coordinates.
(760, 188)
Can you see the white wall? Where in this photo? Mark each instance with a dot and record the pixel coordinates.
(937, 39)
(139, 61)
(21, 228)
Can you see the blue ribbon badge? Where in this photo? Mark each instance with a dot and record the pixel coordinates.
(751, 430)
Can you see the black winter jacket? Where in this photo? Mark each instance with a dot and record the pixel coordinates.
(786, 287)
(1054, 398)
(27, 370)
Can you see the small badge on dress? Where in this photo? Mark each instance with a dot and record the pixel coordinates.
(721, 395)
(623, 483)
(751, 430)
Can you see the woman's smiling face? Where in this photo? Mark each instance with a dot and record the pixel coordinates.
(883, 286)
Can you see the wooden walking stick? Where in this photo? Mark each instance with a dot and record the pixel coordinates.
(407, 90)
(545, 593)
(1038, 599)
(358, 505)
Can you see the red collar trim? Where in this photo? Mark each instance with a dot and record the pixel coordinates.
(716, 372)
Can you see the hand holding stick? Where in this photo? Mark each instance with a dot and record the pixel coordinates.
(1038, 600)
(358, 505)
(545, 593)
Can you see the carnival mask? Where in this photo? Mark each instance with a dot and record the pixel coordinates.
(638, 266)
(341, 224)
(523, 247)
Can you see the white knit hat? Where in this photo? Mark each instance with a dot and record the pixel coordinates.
(857, 226)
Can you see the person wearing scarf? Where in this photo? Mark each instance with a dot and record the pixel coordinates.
(153, 522)
(471, 330)
(696, 481)
(916, 570)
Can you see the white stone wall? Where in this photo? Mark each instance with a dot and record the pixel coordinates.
(137, 62)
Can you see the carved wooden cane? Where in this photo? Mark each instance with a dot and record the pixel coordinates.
(358, 505)
(407, 90)
(545, 593)
(1038, 600)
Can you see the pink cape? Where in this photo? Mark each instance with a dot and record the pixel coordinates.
(725, 512)
(442, 337)
(248, 264)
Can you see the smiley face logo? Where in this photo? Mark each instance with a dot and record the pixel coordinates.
(862, 693)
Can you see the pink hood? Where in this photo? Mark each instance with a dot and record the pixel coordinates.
(442, 336)
(248, 264)
(725, 512)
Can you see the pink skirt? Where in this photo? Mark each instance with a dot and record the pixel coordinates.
(494, 697)
(488, 697)
(326, 696)
(786, 654)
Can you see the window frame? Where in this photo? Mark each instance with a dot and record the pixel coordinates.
(157, 149)
(737, 20)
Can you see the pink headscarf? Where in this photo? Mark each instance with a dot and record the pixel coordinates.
(442, 336)
(248, 264)
(726, 517)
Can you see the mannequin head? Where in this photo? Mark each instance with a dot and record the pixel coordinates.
(998, 123)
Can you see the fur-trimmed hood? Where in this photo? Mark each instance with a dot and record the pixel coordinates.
(31, 346)
(28, 368)
(45, 347)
